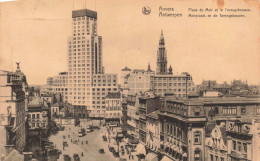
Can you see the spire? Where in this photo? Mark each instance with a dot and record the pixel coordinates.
(18, 65)
(161, 57)
(161, 42)
(170, 70)
(149, 68)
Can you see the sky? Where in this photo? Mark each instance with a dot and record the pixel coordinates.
(35, 33)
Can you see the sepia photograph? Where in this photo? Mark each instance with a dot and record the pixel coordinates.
(129, 80)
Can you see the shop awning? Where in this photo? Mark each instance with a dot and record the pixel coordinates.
(151, 157)
(140, 149)
(165, 158)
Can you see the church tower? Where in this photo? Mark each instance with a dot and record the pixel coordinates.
(161, 57)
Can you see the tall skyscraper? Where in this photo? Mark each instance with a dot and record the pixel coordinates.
(161, 57)
(85, 68)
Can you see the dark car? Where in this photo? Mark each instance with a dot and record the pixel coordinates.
(105, 139)
(67, 158)
(116, 154)
(76, 157)
(122, 159)
(111, 149)
(65, 144)
(101, 151)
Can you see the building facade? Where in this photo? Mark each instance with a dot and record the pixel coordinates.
(153, 131)
(138, 81)
(113, 113)
(38, 117)
(208, 128)
(132, 117)
(147, 104)
(181, 85)
(60, 85)
(85, 70)
(13, 99)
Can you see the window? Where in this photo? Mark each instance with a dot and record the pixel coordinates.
(33, 116)
(243, 110)
(221, 159)
(197, 154)
(216, 110)
(197, 111)
(245, 147)
(197, 136)
(211, 157)
(239, 146)
(229, 110)
(258, 110)
(234, 145)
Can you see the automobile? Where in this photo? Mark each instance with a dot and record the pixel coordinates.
(89, 130)
(116, 154)
(111, 149)
(101, 151)
(105, 139)
(67, 158)
(122, 159)
(65, 143)
(76, 157)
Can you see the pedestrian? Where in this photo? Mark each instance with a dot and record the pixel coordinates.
(129, 156)
(82, 142)
(70, 140)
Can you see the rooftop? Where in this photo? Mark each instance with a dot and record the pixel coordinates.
(84, 12)
(113, 95)
(126, 69)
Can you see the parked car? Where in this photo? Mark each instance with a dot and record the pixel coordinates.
(101, 151)
(111, 149)
(116, 154)
(76, 157)
(67, 158)
(65, 144)
(105, 139)
(122, 159)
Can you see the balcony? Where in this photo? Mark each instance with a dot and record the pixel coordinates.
(237, 154)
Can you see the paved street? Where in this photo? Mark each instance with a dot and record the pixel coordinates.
(90, 150)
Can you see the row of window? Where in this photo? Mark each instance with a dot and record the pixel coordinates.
(175, 78)
(113, 108)
(239, 146)
(79, 53)
(216, 158)
(34, 116)
(38, 125)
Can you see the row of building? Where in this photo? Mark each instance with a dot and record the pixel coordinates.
(195, 128)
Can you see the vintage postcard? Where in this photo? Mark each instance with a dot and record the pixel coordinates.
(121, 80)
